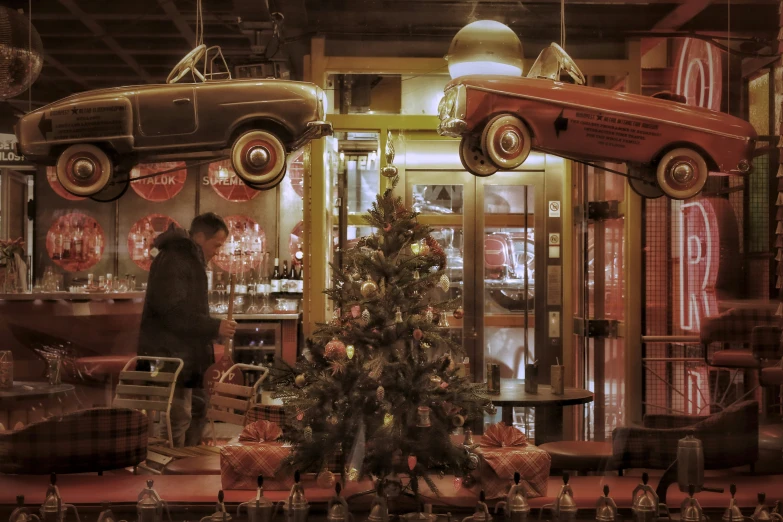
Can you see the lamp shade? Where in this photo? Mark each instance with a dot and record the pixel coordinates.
(20, 63)
(485, 47)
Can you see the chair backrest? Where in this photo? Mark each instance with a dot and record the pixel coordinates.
(230, 403)
(736, 325)
(150, 391)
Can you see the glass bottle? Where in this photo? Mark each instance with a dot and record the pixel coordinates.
(275, 282)
(284, 278)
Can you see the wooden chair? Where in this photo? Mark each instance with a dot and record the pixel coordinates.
(149, 391)
(230, 403)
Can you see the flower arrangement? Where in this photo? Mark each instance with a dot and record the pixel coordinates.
(9, 248)
(11, 255)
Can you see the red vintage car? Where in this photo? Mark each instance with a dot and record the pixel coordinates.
(669, 147)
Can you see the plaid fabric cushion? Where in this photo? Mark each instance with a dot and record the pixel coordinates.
(729, 439)
(736, 325)
(765, 341)
(271, 413)
(93, 440)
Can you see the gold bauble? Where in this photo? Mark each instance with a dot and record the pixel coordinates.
(369, 289)
(300, 380)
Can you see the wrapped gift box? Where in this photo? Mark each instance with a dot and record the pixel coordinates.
(504, 450)
(242, 463)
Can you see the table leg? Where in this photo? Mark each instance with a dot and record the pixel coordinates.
(508, 415)
(549, 424)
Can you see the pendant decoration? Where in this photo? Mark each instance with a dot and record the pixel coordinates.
(458, 421)
(416, 275)
(412, 461)
(429, 315)
(356, 311)
(380, 393)
(388, 420)
(398, 316)
(459, 313)
(444, 283)
(443, 321)
(308, 434)
(335, 349)
(423, 414)
(418, 334)
(457, 483)
(366, 315)
(300, 416)
(325, 479)
(349, 351)
(300, 380)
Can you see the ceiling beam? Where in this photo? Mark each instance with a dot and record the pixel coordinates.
(182, 25)
(98, 30)
(678, 17)
(65, 70)
(162, 36)
(141, 52)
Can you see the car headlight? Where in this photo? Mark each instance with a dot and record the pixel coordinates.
(322, 104)
(446, 105)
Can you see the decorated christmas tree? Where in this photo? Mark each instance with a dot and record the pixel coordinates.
(379, 391)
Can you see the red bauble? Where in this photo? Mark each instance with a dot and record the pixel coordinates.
(387, 227)
(412, 460)
(335, 349)
(459, 313)
(418, 334)
(356, 311)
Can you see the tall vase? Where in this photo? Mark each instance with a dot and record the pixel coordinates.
(11, 276)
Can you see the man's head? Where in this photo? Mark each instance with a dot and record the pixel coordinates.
(209, 231)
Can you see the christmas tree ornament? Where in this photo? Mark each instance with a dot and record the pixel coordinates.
(443, 322)
(335, 349)
(300, 380)
(380, 393)
(458, 421)
(457, 483)
(416, 248)
(387, 227)
(459, 313)
(356, 277)
(325, 479)
(423, 417)
(424, 250)
(426, 346)
(366, 315)
(369, 289)
(332, 419)
(349, 351)
(388, 419)
(429, 315)
(412, 461)
(383, 287)
(389, 171)
(473, 461)
(418, 334)
(416, 275)
(356, 311)
(444, 385)
(308, 434)
(300, 416)
(398, 316)
(443, 283)
(436, 380)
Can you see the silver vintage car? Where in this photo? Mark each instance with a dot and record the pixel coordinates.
(97, 136)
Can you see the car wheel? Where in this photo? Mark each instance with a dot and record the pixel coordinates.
(83, 170)
(258, 157)
(113, 190)
(506, 141)
(642, 181)
(682, 173)
(473, 158)
(272, 184)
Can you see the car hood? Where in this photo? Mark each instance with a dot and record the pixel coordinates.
(129, 90)
(634, 105)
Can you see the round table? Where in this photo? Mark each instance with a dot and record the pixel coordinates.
(27, 402)
(549, 407)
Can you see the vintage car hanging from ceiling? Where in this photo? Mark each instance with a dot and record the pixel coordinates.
(669, 147)
(94, 138)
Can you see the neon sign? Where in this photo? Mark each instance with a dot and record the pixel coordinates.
(709, 258)
(699, 74)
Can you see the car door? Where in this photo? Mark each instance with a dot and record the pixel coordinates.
(166, 113)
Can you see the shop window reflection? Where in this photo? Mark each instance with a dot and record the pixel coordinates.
(438, 199)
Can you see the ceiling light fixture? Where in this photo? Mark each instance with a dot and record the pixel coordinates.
(485, 47)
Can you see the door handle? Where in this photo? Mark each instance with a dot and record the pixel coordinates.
(181, 101)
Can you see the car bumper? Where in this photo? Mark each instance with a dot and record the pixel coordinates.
(453, 127)
(315, 130)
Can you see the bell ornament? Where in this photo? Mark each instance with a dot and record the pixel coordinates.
(379, 510)
(260, 508)
(21, 513)
(53, 508)
(425, 515)
(150, 506)
(515, 506)
(296, 508)
(565, 506)
(762, 512)
(645, 503)
(482, 511)
(733, 513)
(220, 514)
(605, 508)
(337, 509)
(690, 510)
(107, 515)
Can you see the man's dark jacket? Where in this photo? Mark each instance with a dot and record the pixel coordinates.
(176, 321)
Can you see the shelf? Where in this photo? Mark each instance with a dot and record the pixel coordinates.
(73, 296)
(256, 348)
(292, 316)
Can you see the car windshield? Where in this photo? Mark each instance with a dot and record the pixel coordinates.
(554, 64)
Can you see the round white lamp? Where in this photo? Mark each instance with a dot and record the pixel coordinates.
(485, 47)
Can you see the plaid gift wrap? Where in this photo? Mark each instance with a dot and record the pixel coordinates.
(504, 450)
(257, 453)
(98, 439)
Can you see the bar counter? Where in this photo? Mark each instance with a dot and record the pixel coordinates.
(95, 324)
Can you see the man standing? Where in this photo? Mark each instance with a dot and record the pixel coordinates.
(176, 321)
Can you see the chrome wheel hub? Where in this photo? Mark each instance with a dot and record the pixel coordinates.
(83, 168)
(682, 172)
(258, 157)
(509, 141)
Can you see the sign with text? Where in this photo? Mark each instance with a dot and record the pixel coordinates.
(162, 187)
(9, 159)
(75, 242)
(227, 184)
